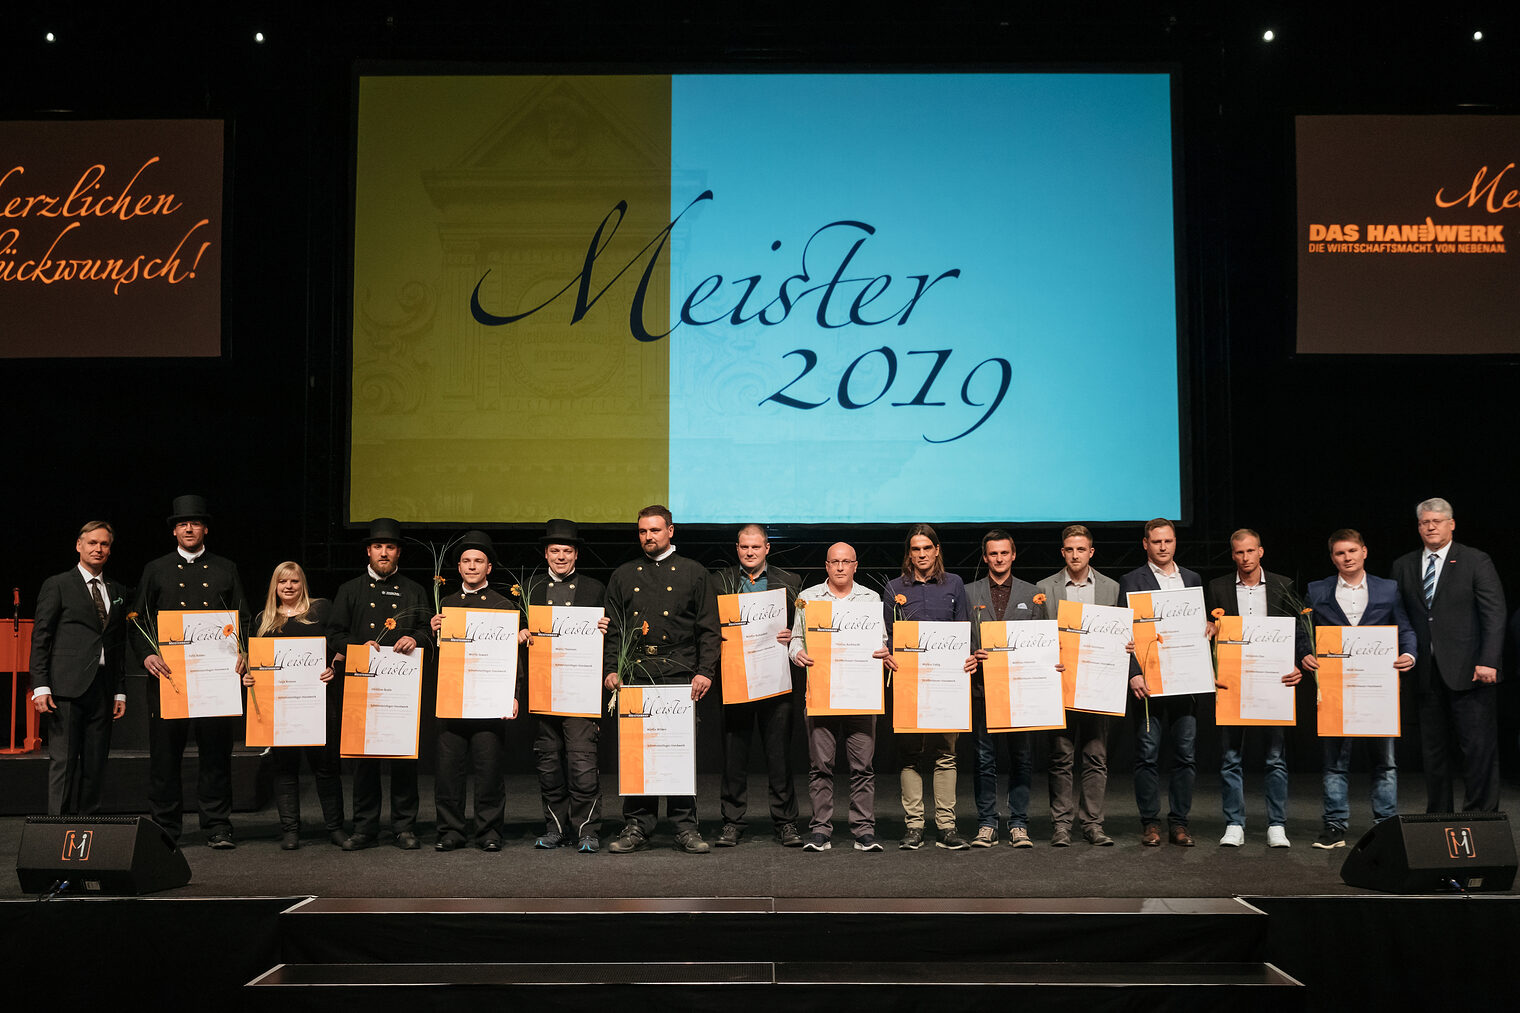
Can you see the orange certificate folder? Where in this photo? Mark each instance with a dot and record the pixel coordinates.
(755, 665)
(931, 691)
(657, 736)
(1096, 675)
(200, 648)
(382, 703)
(1251, 671)
(1358, 685)
(287, 703)
(840, 637)
(565, 661)
(477, 663)
(1040, 692)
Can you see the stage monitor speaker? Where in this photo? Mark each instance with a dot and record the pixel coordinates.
(1427, 854)
(104, 855)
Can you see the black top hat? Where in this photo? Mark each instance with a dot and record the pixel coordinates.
(476, 540)
(189, 508)
(560, 532)
(384, 529)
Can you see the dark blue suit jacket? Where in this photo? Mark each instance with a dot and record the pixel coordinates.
(1383, 609)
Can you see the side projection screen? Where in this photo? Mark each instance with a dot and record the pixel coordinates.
(809, 298)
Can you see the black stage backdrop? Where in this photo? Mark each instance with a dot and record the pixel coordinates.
(1294, 446)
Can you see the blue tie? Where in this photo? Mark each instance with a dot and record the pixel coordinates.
(1429, 582)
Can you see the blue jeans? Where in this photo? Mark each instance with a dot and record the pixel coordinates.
(1385, 780)
(1176, 716)
(1231, 743)
(1020, 770)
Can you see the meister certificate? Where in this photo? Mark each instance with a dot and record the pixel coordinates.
(755, 665)
(287, 703)
(477, 663)
(565, 661)
(1020, 681)
(382, 702)
(841, 637)
(657, 740)
(1358, 685)
(1171, 641)
(1094, 639)
(201, 650)
(931, 690)
(1255, 652)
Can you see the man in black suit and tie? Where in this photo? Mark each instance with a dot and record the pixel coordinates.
(78, 672)
(1456, 605)
(1252, 591)
(1176, 715)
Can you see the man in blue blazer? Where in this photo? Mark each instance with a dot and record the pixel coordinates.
(78, 672)
(1353, 597)
(1175, 715)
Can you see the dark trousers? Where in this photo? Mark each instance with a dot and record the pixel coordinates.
(79, 740)
(1461, 725)
(465, 746)
(859, 734)
(1020, 770)
(643, 811)
(166, 754)
(1085, 735)
(367, 796)
(773, 716)
(1176, 718)
(323, 761)
(568, 780)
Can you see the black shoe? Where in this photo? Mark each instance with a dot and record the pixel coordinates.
(290, 840)
(630, 840)
(1060, 837)
(913, 839)
(407, 841)
(221, 840)
(358, 842)
(338, 838)
(590, 844)
(729, 835)
(951, 841)
(491, 844)
(690, 842)
(1097, 838)
(787, 834)
(1330, 838)
(867, 842)
(449, 842)
(550, 841)
(817, 842)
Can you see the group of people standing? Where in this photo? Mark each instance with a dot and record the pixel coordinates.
(1446, 601)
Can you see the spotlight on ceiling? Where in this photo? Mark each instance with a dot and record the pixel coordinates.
(1268, 35)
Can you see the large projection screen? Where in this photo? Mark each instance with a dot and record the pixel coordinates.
(812, 298)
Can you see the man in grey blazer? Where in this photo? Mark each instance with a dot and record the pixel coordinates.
(1078, 581)
(999, 597)
(79, 671)
(1455, 602)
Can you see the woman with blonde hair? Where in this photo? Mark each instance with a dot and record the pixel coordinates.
(290, 611)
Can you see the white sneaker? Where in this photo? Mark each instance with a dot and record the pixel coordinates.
(1234, 836)
(1277, 837)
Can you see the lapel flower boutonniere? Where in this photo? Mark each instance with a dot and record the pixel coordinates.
(1039, 599)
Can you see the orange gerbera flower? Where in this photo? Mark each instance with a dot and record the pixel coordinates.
(1306, 611)
(437, 579)
(227, 630)
(1039, 599)
(901, 599)
(1217, 613)
(644, 629)
(516, 591)
(131, 615)
(390, 623)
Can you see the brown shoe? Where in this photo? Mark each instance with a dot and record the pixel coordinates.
(1151, 836)
(1181, 837)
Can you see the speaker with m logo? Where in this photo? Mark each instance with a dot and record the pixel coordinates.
(1427, 854)
(104, 855)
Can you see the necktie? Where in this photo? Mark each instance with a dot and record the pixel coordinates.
(100, 602)
(1429, 582)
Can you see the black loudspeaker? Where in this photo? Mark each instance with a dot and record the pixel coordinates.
(1427, 854)
(105, 855)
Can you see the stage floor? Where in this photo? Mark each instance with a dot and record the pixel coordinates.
(759, 867)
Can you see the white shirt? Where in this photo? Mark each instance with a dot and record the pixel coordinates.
(1440, 555)
(1168, 581)
(1352, 598)
(1084, 592)
(1251, 599)
(191, 557)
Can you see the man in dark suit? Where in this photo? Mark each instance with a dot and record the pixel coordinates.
(1252, 591)
(79, 672)
(1456, 605)
(1354, 597)
(569, 782)
(188, 578)
(999, 597)
(1174, 715)
(772, 715)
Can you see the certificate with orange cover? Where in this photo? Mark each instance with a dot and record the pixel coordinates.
(841, 637)
(931, 689)
(1358, 685)
(1255, 652)
(287, 703)
(477, 663)
(1021, 684)
(657, 740)
(1093, 642)
(1171, 641)
(565, 661)
(201, 649)
(382, 702)
(755, 665)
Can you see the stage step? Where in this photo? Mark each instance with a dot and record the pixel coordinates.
(764, 929)
(745, 985)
